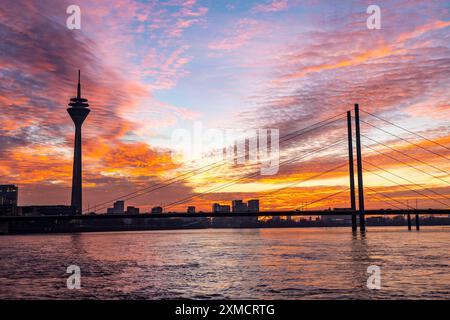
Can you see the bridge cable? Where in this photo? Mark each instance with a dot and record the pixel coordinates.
(405, 163)
(267, 193)
(301, 181)
(409, 181)
(403, 186)
(386, 196)
(251, 175)
(398, 137)
(162, 185)
(406, 155)
(416, 134)
(386, 202)
(323, 198)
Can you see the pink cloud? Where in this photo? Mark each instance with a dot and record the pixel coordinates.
(243, 32)
(272, 6)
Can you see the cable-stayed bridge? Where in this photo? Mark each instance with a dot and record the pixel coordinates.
(356, 189)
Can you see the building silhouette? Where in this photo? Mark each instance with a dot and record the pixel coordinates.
(191, 209)
(157, 210)
(253, 205)
(239, 206)
(78, 111)
(218, 208)
(118, 208)
(132, 210)
(8, 200)
(46, 210)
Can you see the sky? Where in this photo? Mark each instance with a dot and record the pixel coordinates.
(153, 68)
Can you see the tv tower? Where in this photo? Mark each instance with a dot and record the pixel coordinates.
(78, 111)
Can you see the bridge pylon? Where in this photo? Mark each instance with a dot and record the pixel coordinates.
(362, 220)
(351, 170)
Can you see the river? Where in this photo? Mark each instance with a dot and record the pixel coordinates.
(302, 263)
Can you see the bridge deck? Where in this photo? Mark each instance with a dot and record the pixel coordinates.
(231, 214)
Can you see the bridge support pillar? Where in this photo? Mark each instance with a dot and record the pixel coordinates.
(417, 222)
(409, 221)
(351, 171)
(362, 220)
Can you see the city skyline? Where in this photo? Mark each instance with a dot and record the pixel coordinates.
(188, 71)
(217, 158)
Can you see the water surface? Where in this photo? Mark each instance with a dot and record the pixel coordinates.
(307, 263)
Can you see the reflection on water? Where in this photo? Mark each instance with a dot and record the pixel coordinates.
(322, 263)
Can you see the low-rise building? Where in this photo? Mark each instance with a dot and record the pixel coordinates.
(157, 210)
(132, 210)
(190, 209)
(47, 210)
(218, 208)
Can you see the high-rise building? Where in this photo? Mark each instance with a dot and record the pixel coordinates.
(8, 200)
(119, 207)
(239, 206)
(253, 205)
(218, 208)
(78, 111)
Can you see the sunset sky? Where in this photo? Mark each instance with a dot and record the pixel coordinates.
(150, 68)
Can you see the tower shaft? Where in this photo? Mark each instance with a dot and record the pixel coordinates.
(77, 193)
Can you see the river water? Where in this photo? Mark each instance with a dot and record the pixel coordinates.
(307, 263)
